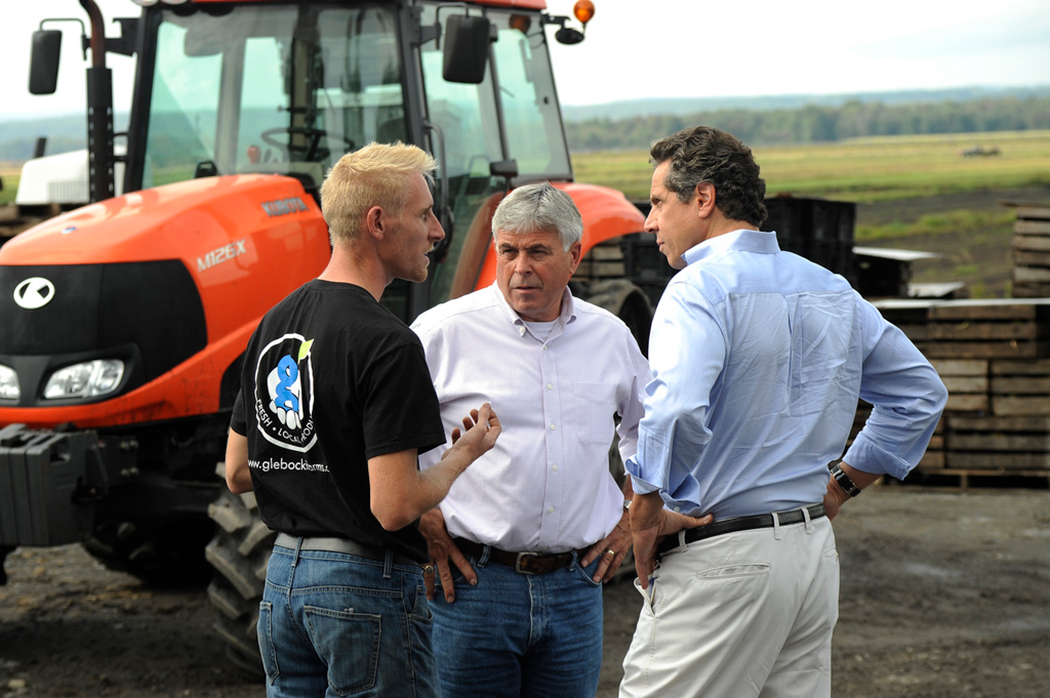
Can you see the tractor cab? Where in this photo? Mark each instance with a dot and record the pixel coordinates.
(232, 88)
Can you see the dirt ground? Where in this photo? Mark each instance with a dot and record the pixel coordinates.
(945, 593)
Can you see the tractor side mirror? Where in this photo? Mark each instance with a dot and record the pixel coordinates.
(43, 61)
(466, 50)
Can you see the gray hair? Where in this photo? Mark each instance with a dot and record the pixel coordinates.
(539, 207)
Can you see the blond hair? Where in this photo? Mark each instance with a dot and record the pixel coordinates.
(375, 175)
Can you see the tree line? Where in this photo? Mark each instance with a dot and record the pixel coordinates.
(820, 124)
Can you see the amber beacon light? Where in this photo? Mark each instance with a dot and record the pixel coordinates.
(584, 11)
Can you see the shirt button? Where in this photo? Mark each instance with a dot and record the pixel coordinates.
(550, 386)
(554, 468)
(552, 427)
(678, 508)
(550, 510)
(544, 347)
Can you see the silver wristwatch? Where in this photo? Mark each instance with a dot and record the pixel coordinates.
(844, 482)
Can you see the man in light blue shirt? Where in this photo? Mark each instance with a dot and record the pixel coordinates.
(759, 357)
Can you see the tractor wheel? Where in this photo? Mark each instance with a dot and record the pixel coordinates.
(238, 553)
(627, 302)
(158, 553)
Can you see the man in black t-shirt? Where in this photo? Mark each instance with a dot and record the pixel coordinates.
(336, 402)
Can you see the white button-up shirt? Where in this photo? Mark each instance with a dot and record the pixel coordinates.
(546, 484)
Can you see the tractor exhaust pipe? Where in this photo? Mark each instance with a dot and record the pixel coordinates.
(100, 110)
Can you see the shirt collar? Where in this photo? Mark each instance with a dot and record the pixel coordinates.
(566, 317)
(747, 240)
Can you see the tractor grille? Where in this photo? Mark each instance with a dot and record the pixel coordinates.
(153, 306)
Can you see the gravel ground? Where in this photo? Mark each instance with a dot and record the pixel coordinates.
(944, 594)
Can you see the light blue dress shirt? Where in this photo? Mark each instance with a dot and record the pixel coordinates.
(759, 357)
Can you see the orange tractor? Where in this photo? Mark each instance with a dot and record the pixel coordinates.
(123, 323)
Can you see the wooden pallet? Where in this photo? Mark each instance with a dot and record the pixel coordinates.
(1020, 388)
(989, 329)
(1031, 252)
(994, 358)
(962, 477)
(1007, 444)
(967, 381)
(911, 316)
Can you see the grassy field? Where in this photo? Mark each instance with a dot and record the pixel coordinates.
(864, 170)
(913, 192)
(9, 172)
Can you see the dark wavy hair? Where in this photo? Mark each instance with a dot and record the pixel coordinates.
(707, 154)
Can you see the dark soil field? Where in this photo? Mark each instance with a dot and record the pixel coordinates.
(945, 593)
(980, 257)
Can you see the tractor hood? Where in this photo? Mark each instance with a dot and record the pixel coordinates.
(193, 221)
(230, 246)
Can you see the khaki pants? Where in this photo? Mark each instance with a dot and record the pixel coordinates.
(741, 615)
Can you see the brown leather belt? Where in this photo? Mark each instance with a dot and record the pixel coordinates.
(523, 563)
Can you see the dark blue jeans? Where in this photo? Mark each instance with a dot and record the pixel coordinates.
(520, 635)
(334, 624)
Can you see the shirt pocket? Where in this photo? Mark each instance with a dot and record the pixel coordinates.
(593, 407)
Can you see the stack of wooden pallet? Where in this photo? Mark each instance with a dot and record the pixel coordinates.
(1031, 249)
(994, 358)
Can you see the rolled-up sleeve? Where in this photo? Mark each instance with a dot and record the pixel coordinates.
(907, 395)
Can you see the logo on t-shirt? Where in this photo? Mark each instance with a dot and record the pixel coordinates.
(284, 393)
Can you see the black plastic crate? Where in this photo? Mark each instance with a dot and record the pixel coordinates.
(817, 229)
(645, 265)
(801, 219)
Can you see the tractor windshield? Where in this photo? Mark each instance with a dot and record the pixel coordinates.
(281, 88)
(512, 115)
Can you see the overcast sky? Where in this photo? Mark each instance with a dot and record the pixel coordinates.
(681, 48)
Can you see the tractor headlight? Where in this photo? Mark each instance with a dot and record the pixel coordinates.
(89, 379)
(9, 389)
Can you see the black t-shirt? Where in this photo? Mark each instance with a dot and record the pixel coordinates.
(331, 378)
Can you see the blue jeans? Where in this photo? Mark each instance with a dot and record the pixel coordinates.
(333, 624)
(520, 635)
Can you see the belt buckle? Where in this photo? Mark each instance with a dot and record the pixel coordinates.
(521, 555)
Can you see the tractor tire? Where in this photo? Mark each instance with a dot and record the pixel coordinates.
(238, 553)
(158, 553)
(627, 302)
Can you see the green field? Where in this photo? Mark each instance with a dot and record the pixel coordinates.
(914, 192)
(864, 170)
(9, 178)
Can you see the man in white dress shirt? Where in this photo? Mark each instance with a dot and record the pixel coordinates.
(523, 544)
